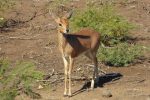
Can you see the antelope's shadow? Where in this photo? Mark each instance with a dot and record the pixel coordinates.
(102, 80)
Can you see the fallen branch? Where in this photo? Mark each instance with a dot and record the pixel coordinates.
(74, 78)
(49, 75)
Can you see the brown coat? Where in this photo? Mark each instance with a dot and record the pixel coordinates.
(79, 42)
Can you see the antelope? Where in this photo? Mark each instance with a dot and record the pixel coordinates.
(85, 41)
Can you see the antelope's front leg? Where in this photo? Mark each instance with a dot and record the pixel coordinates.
(70, 70)
(66, 74)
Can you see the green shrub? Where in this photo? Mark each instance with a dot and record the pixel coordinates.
(9, 94)
(3, 67)
(112, 28)
(23, 75)
(2, 21)
(103, 19)
(121, 55)
(5, 4)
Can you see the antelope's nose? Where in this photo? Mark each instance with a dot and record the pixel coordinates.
(67, 30)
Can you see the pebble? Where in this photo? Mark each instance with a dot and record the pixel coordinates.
(107, 94)
(40, 87)
(148, 98)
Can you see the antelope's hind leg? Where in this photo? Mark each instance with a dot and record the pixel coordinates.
(92, 58)
(96, 70)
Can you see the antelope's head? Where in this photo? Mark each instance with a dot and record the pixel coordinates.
(63, 23)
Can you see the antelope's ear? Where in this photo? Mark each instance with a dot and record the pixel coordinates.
(57, 20)
(69, 15)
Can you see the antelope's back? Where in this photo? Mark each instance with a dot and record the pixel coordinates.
(94, 38)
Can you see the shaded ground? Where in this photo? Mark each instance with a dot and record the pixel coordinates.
(37, 41)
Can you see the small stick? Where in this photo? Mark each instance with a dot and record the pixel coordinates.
(62, 78)
(50, 75)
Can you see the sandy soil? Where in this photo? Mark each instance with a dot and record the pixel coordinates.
(37, 41)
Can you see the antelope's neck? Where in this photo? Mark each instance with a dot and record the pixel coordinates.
(61, 40)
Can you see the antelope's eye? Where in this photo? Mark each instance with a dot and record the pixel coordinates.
(60, 24)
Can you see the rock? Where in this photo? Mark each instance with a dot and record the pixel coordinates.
(148, 98)
(132, 7)
(40, 87)
(107, 94)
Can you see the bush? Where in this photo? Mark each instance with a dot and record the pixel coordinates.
(2, 21)
(24, 76)
(113, 30)
(5, 4)
(9, 94)
(4, 64)
(103, 19)
(121, 55)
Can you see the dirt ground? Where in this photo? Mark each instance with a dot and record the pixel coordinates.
(36, 41)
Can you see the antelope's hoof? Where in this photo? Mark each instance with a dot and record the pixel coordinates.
(91, 89)
(65, 95)
(69, 95)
